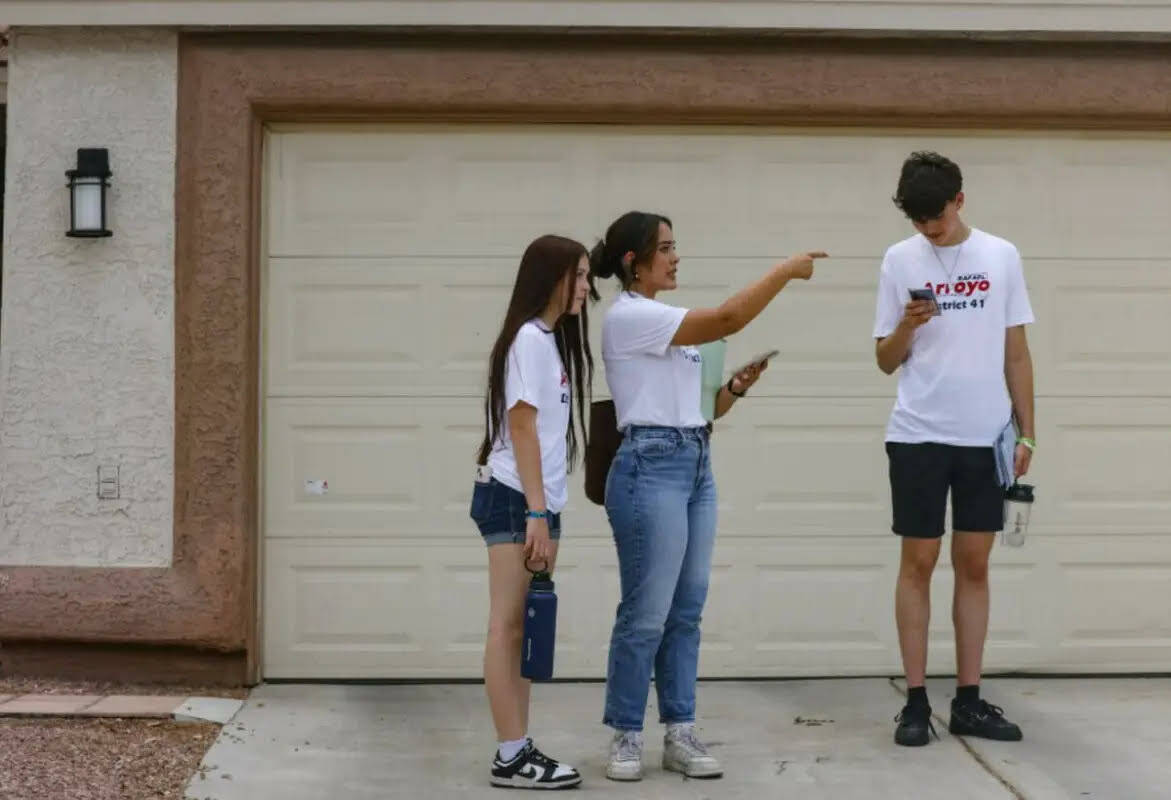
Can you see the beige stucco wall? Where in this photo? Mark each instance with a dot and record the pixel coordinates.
(87, 326)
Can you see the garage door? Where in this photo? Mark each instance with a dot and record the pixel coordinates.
(390, 253)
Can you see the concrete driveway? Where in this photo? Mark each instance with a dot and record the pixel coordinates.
(1107, 738)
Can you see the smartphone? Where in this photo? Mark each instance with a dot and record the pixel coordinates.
(765, 356)
(929, 296)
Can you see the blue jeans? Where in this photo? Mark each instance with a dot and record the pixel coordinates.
(661, 501)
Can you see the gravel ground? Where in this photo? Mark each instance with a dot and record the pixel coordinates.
(101, 759)
(11, 685)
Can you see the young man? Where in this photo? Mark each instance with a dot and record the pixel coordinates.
(965, 370)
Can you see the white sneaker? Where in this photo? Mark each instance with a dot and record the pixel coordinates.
(625, 757)
(684, 752)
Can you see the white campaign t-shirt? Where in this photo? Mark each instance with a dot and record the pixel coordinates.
(952, 388)
(535, 374)
(652, 382)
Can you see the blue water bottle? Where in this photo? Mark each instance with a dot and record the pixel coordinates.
(540, 629)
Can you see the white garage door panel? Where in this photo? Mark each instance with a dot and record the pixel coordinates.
(395, 467)
(784, 467)
(371, 328)
(392, 252)
(1112, 197)
(1110, 330)
(489, 198)
(1077, 196)
(355, 607)
(382, 195)
(358, 607)
(1115, 615)
(384, 327)
(1109, 471)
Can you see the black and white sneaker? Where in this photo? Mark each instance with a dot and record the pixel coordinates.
(532, 769)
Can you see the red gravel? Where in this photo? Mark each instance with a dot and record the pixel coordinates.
(99, 759)
(17, 686)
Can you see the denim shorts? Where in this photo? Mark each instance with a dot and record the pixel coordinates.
(499, 513)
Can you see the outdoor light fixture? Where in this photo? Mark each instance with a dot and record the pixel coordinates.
(87, 194)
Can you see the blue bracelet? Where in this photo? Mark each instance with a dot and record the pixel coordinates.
(536, 514)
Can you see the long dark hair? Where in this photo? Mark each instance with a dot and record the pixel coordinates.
(543, 269)
(634, 231)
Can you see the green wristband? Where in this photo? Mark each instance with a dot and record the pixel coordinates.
(1027, 442)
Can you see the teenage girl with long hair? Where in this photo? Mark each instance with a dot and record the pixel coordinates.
(540, 361)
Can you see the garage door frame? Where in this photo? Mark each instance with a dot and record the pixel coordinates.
(231, 85)
(853, 83)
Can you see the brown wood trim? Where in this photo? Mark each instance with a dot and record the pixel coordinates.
(119, 664)
(231, 84)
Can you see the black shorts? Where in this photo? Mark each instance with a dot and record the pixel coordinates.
(921, 476)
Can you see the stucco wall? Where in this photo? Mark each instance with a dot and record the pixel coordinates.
(87, 326)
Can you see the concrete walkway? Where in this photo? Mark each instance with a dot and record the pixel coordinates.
(801, 739)
(177, 707)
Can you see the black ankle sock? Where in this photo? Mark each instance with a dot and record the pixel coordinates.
(966, 695)
(917, 696)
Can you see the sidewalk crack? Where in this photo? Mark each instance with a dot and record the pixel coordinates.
(88, 706)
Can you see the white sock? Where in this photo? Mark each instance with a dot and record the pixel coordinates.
(635, 735)
(510, 750)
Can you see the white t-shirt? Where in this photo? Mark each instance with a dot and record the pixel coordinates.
(652, 382)
(535, 374)
(952, 388)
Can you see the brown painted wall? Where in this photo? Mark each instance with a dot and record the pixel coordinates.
(231, 84)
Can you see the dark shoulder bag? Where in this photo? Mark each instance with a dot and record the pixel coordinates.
(601, 448)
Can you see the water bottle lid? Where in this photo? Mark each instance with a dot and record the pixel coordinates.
(542, 581)
(1020, 492)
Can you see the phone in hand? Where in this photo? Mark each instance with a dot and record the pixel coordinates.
(768, 355)
(929, 296)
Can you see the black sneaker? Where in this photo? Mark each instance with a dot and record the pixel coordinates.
(982, 719)
(532, 769)
(915, 728)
